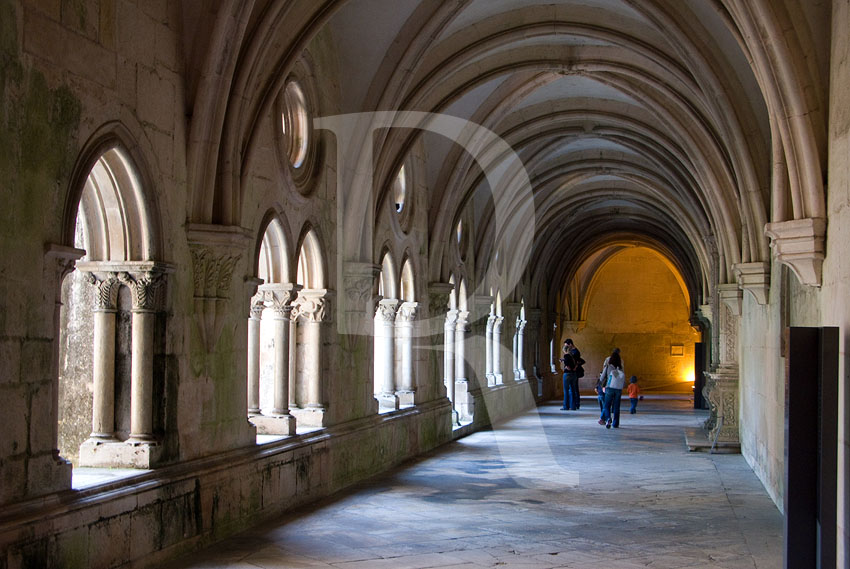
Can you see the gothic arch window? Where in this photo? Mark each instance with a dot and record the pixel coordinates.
(112, 328)
(270, 328)
(404, 328)
(310, 314)
(384, 372)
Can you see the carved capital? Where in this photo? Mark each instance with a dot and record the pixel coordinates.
(358, 283)
(212, 272)
(145, 289)
(312, 305)
(799, 243)
(491, 321)
(386, 310)
(575, 326)
(407, 312)
(106, 290)
(438, 297)
(451, 319)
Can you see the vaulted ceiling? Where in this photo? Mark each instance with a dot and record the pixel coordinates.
(672, 124)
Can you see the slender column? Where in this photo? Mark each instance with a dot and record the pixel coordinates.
(449, 367)
(312, 308)
(254, 320)
(520, 349)
(293, 359)
(461, 329)
(384, 371)
(488, 350)
(103, 397)
(514, 346)
(282, 311)
(438, 300)
(497, 351)
(404, 330)
(144, 288)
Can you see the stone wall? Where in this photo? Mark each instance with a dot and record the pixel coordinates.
(636, 304)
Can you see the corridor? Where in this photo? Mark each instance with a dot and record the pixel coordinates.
(547, 489)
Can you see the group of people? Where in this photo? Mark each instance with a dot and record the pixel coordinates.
(609, 385)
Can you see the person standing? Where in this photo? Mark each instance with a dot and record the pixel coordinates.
(578, 371)
(603, 379)
(569, 378)
(613, 392)
(634, 393)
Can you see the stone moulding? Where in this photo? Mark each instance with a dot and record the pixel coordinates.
(755, 278)
(732, 296)
(799, 243)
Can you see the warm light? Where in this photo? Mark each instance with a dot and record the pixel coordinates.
(688, 375)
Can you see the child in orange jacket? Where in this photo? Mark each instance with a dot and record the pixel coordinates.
(634, 393)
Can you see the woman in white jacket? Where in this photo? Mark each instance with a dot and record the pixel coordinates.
(615, 380)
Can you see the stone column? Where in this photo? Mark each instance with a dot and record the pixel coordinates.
(438, 301)
(520, 349)
(497, 350)
(280, 297)
(144, 288)
(404, 331)
(512, 311)
(313, 310)
(254, 319)
(722, 382)
(103, 396)
(488, 350)
(463, 398)
(384, 371)
(449, 362)
(533, 317)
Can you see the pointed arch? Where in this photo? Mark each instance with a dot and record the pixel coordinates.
(387, 287)
(310, 269)
(407, 292)
(273, 255)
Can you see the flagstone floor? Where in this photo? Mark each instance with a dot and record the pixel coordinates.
(548, 489)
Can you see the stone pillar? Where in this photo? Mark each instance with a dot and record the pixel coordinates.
(722, 382)
(313, 309)
(404, 331)
(384, 371)
(144, 288)
(463, 399)
(488, 350)
(438, 301)
(520, 349)
(533, 317)
(512, 311)
(449, 362)
(497, 350)
(254, 319)
(103, 396)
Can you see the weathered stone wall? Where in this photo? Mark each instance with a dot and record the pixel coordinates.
(180, 508)
(836, 276)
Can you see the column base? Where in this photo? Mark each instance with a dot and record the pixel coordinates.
(280, 425)
(465, 400)
(99, 454)
(310, 416)
(406, 398)
(387, 401)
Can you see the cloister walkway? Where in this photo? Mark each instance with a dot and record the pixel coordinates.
(547, 489)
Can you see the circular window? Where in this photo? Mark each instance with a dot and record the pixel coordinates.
(400, 189)
(295, 124)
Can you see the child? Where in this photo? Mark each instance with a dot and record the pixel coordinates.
(634, 393)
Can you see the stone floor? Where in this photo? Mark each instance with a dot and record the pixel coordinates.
(549, 489)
